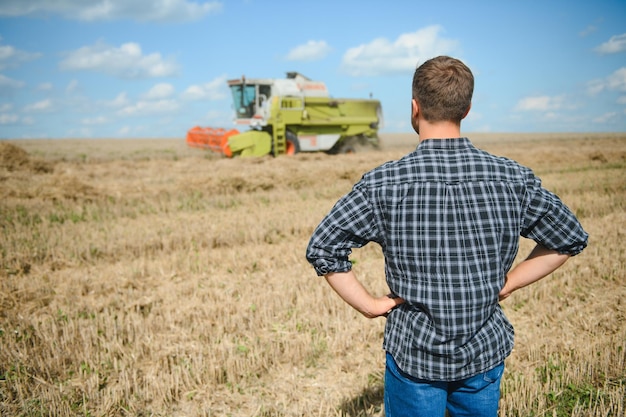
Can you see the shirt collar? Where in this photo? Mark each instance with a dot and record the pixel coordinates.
(448, 143)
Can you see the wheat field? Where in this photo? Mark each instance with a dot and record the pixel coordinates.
(146, 278)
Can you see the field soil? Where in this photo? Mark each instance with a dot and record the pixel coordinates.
(146, 278)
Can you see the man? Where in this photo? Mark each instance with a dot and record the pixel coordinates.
(448, 218)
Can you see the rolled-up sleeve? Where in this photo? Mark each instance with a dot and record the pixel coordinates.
(348, 225)
(549, 222)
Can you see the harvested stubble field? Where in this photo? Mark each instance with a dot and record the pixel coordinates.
(145, 278)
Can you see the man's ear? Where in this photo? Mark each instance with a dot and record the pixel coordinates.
(467, 111)
(415, 108)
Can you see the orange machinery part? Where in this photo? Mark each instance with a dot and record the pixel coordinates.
(215, 139)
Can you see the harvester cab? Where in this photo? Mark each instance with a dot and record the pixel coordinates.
(250, 101)
(252, 98)
(291, 115)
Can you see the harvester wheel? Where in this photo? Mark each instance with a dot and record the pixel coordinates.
(355, 144)
(348, 145)
(347, 148)
(293, 144)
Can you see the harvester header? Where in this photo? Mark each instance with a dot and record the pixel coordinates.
(291, 115)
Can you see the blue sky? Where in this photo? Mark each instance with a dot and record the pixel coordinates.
(141, 68)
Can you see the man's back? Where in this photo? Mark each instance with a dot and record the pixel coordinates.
(450, 217)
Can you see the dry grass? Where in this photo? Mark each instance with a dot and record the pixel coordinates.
(144, 278)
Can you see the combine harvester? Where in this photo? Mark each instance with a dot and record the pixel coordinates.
(291, 115)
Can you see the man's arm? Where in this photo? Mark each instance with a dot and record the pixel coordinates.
(352, 292)
(540, 263)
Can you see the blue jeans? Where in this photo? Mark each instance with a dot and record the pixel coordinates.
(477, 396)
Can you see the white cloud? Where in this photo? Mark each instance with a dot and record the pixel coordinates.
(159, 91)
(5, 107)
(40, 106)
(11, 57)
(588, 30)
(45, 87)
(124, 131)
(310, 51)
(621, 100)
(81, 132)
(121, 100)
(606, 118)
(595, 87)
(213, 90)
(381, 56)
(6, 82)
(540, 103)
(614, 45)
(141, 10)
(149, 107)
(617, 80)
(217, 118)
(8, 119)
(71, 86)
(127, 61)
(90, 121)
(614, 82)
(216, 115)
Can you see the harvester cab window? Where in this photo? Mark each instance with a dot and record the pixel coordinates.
(244, 97)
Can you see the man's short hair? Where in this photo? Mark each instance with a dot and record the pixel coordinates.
(443, 87)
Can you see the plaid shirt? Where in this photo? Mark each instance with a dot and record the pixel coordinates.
(448, 218)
